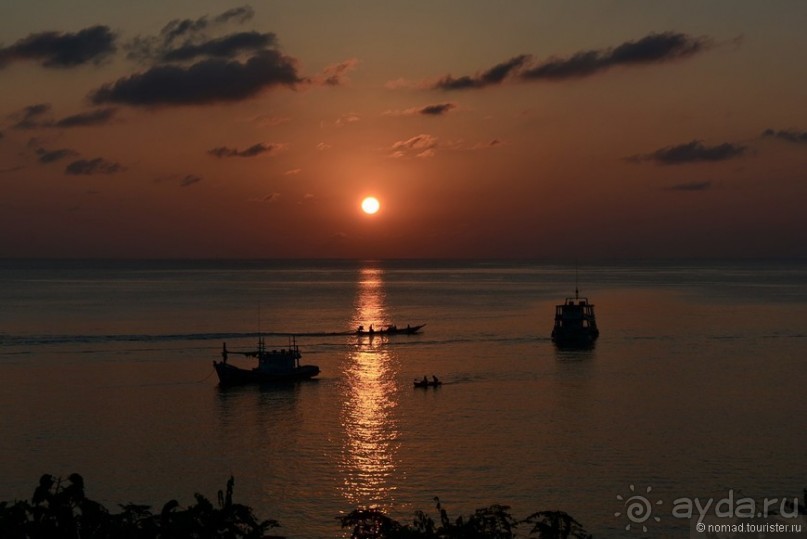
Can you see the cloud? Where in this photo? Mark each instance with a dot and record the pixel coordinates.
(691, 186)
(322, 146)
(346, 119)
(438, 109)
(93, 166)
(208, 81)
(29, 117)
(51, 156)
(189, 179)
(183, 181)
(62, 50)
(422, 145)
(228, 46)
(183, 33)
(651, 49)
(336, 74)
(271, 197)
(252, 151)
(789, 135)
(492, 76)
(85, 119)
(32, 117)
(691, 152)
(240, 14)
(293, 172)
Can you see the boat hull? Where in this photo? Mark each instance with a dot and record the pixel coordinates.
(428, 384)
(411, 330)
(575, 339)
(230, 375)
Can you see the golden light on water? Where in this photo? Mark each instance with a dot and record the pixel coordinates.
(368, 419)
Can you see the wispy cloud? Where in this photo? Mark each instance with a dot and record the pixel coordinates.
(789, 135)
(85, 119)
(494, 75)
(347, 119)
(438, 109)
(189, 179)
(422, 145)
(253, 151)
(336, 74)
(651, 49)
(61, 49)
(98, 165)
(185, 39)
(51, 156)
(229, 46)
(30, 117)
(691, 152)
(37, 116)
(691, 186)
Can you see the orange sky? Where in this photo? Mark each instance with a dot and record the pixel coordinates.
(524, 129)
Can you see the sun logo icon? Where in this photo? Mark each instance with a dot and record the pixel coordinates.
(638, 508)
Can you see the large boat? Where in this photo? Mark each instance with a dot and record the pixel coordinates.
(575, 325)
(389, 330)
(273, 366)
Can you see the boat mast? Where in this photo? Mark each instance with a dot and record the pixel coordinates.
(576, 291)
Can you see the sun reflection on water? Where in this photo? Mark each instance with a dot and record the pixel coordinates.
(370, 397)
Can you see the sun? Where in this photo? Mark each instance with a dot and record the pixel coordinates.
(370, 205)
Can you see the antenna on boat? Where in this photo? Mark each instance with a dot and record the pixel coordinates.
(260, 335)
(576, 291)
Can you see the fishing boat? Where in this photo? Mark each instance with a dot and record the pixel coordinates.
(575, 325)
(389, 330)
(434, 382)
(273, 366)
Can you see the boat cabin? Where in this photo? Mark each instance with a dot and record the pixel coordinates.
(277, 361)
(575, 324)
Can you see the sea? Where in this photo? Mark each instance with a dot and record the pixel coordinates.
(694, 392)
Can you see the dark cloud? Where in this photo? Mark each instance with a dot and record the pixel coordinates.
(84, 119)
(252, 151)
(56, 49)
(228, 46)
(34, 117)
(651, 49)
(790, 135)
(98, 165)
(691, 186)
(494, 75)
(437, 110)
(205, 82)
(51, 156)
(29, 117)
(239, 14)
(691, 152)
(182, 37)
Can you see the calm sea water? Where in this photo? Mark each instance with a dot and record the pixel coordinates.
(695, 388)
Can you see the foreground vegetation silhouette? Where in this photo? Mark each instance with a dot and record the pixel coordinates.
(492, 522)
(60, 509)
